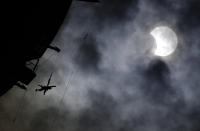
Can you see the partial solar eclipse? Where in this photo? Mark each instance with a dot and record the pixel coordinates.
(165, 40)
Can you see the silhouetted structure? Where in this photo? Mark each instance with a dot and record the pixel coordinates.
(32, 26)
(47, 87)
(21, 85)
(54, 48)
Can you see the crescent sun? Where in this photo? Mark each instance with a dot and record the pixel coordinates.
(165, 39)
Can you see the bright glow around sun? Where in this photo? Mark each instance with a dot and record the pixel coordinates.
(165, 39)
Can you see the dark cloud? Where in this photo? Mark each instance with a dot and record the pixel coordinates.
(156, 85)
(193, 117)
(190, 18)
(99, 116)
(170, 5)
(113, 12)
(157, 71)
(49, 119)
(105, 113)
(88, 55)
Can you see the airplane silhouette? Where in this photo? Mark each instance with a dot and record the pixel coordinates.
(47, 87)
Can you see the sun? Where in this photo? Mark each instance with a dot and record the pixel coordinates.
(165, 40)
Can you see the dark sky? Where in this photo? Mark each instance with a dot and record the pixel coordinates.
(110, 80)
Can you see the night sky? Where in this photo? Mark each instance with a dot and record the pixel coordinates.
(106, 75)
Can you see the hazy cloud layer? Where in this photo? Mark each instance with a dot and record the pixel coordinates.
(110, 80)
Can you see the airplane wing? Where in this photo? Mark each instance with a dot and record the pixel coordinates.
(49, 80)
